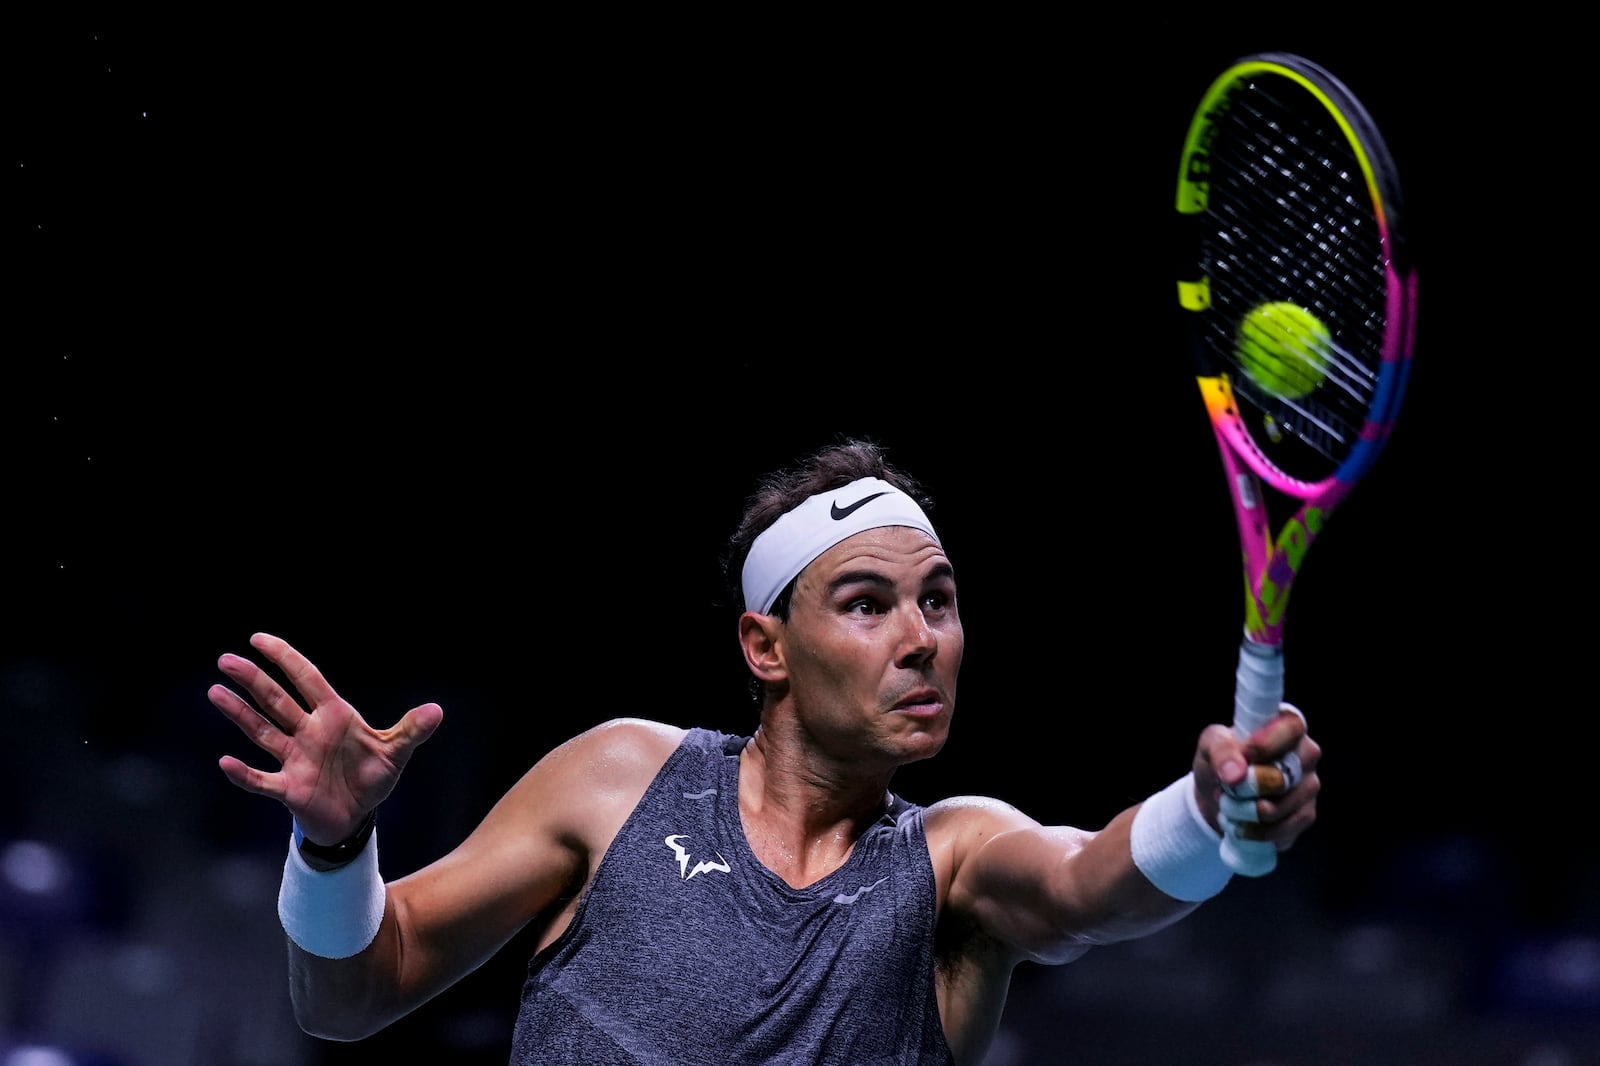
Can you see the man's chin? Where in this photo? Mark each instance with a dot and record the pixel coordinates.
(926, 742)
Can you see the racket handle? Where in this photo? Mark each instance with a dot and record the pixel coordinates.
(1258, 690)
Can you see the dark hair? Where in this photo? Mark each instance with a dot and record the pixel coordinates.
(782, 491)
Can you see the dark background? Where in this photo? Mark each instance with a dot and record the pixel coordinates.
(448, 352)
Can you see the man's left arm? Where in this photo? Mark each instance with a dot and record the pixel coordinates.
(1053, 892)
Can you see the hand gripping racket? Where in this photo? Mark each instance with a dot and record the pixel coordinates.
(1301, 305)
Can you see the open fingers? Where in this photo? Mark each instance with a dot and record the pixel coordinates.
(270, 698)
(306, 678)
(263, 733)
(250, 779)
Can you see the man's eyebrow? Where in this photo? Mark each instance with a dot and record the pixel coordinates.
(940, 572)
(858, 577)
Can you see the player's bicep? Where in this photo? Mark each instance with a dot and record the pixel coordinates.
(533, 853)
(454, 913)
(1019, 888)
(1000, 871)
(1052, 892)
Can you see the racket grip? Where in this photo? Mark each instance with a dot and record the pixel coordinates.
(1258, 690)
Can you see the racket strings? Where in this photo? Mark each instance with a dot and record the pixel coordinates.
(1291, 219)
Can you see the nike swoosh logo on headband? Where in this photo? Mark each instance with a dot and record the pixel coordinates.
(841, 513)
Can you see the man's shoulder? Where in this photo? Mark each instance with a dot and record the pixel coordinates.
(625, 728)
(597, 776)
(635, 741)
(962, 816)
(960, 807)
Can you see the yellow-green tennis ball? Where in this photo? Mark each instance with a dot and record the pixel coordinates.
(1283, 348)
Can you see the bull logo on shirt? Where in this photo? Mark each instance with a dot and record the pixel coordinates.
(700, 867)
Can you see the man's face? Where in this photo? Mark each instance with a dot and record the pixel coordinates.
(873, 646)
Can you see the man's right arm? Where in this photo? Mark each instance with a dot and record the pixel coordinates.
(528, 860)
(363, 953)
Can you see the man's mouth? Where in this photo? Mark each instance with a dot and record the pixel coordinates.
(922, 700)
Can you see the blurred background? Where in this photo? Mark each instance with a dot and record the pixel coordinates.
(448, 351)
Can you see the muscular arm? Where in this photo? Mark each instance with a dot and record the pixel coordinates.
(1049, 893)
(531, 855)
(529, 859)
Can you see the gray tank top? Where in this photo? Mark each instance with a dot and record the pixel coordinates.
(686, 950)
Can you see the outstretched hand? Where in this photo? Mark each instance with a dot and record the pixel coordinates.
(333, 766)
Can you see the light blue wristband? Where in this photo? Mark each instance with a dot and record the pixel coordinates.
(332, 913)
(1175, 848)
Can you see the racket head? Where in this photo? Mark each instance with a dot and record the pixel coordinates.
(1288, 195)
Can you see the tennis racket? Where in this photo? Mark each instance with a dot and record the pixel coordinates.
(1301, 304)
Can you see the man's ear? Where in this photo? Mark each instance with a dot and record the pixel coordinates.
(759, 637)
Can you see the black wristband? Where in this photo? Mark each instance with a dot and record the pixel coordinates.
(325, 857)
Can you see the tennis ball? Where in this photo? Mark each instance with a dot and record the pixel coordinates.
(1283, 348)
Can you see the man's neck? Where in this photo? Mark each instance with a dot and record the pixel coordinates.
(802, 822)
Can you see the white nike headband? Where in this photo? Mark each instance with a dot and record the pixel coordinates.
(789, 544)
